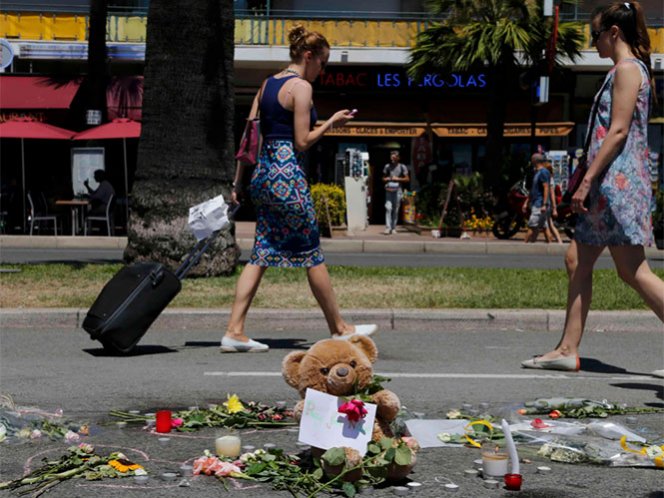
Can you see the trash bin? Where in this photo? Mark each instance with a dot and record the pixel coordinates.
(408, 210)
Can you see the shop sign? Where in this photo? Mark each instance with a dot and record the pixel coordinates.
(511, 130)
(397, 79)
(359, 129)
(33, 116)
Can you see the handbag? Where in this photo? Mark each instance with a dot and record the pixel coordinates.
(574, 181)
(250, 143)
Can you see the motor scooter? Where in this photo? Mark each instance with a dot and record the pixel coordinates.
(510, 217)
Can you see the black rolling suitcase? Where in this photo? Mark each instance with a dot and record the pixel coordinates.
(134, 298)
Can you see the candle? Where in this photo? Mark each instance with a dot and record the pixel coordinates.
(451, 487)
(513, 481)
(494, 462)
(228, 446)
(511, 447)
(163, 421)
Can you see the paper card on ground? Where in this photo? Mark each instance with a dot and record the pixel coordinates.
(426, 431)
(324, 427)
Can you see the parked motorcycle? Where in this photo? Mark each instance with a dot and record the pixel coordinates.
(510, 218)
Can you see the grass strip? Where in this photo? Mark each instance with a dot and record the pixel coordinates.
(77, 286)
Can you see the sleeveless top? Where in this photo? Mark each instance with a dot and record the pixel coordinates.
(619, 212)
(277, 123)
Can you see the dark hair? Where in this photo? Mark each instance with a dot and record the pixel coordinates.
(302, 40)
(629, 17)
(100, 175)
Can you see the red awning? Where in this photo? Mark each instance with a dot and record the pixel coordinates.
(29, 128)
(35, 92)
(118, 128)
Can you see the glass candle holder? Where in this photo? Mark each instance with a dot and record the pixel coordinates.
(228, 446)
(494, 460)
(163, 423)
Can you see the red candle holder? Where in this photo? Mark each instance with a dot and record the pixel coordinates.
(163, 422)
(513, 481)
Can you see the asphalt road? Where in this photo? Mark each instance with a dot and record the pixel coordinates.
(434, 368)
(25, 255)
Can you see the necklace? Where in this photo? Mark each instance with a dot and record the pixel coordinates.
(292, 71)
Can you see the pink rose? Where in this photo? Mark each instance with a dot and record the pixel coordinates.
(176, 422)
(538, 423)
(225, 469)
(354, 410)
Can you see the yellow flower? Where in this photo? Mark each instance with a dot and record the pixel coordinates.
(124, 466)
(233, 405)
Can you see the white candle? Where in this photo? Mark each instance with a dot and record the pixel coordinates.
(511, 447)
(228, 446)
(494, 463)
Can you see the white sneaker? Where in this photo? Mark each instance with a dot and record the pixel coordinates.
(365, 330)
(387, 231)
(658, 373)
(229, 345)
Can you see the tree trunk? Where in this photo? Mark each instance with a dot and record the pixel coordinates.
(185, 153)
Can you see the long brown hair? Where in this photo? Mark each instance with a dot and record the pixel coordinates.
(629, 17)
(302, 40)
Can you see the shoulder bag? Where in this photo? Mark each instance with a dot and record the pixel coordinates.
(250, 142)
(574, 181)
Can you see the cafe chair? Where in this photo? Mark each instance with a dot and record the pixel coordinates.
(39, 212)
(108, 218)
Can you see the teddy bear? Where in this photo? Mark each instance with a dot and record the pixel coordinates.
(343, 367)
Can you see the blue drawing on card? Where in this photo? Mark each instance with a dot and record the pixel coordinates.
(351, 430)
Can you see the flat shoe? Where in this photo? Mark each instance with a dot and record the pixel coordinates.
(229, 345)
(564, 363)
(366, 330)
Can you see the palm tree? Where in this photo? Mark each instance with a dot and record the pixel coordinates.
(185, 153)
(500, 36)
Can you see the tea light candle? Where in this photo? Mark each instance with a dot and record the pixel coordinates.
(451, 487)
(477, 463)
(414, 486)
(141, 479)
(470, 472)
(228, 446)
(484, 406)
(269, 446)
(169, 476)
(187, 470)
(164, 440)
(543, 469)
(400, 490)
(491, 484)
(248, 448)
(494, 463)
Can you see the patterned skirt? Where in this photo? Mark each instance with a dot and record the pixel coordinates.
(287, 232)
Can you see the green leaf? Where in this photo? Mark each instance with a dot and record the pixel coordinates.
(255, 468)
(373, 448)
(349, 489)
(386, 443)
(403, 456)
(334, 456)
(318, 474)
(389, 454)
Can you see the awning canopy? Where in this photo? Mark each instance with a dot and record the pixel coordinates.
(461, 130)
(35, 92)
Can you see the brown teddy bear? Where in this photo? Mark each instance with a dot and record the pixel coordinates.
(343, 368)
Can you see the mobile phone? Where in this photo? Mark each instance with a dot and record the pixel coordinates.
(353, 112)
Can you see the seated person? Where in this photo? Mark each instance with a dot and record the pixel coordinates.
(99, 197)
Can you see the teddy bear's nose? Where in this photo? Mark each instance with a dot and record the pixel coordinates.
(342, 371)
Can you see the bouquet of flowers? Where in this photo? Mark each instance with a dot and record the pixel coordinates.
(233, 413)
(80, 462)
(579, 408)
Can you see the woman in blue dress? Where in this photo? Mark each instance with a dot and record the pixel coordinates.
(287, 232)
(616, 188)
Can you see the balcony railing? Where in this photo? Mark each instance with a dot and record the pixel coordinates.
(251, 30)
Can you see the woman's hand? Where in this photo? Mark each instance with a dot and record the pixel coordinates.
(580, 196)
(234, 197)
(340, 118)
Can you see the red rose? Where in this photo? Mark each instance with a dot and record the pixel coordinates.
(354, 410)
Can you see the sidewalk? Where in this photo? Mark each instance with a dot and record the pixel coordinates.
(371, 240)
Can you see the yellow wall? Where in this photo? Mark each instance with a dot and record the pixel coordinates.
(340, 33)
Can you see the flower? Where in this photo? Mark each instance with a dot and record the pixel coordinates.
(123, 466)
(555, 414)
(453, 414)
(86, 448)
(35, 434)
(354, 410)
(538, 423)
(210, 465)
(233, 405)
(176, 422)
(72, 437)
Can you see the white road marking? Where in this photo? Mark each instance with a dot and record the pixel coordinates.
(396, 375)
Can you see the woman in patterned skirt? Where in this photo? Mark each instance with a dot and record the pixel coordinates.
(286, 228)
(616, 187)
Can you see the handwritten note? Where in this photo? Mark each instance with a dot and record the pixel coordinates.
(324, 427)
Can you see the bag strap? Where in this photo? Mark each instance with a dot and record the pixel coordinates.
(589, 132)
(260, 97)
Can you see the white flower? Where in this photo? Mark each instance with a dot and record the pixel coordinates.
(35, 434)
(259, 452)
(245, 457)
(654, 451)
(72, 437)
(453, 414)
(140, 472)
(445, 437)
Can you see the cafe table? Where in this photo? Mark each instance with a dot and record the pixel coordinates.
(75, 205)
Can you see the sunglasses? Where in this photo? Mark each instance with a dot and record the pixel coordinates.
(594, 35)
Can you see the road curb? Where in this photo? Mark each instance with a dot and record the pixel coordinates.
(402, 320)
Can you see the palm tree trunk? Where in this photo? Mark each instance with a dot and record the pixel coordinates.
(185, 153)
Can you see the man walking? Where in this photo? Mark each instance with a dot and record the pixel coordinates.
(395, 174)
(538, 198)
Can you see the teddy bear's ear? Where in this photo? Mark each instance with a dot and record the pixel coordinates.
(366, 345)
(290, 367)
